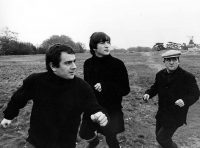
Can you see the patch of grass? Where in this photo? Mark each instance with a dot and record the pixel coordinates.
(139, 116)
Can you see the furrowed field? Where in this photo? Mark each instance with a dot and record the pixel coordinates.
(139, 116)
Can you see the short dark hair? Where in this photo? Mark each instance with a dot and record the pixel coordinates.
(53, 54)
(96, 38)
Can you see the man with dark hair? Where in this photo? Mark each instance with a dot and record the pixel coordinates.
(109, 79)
(59, 98)
(177, 90)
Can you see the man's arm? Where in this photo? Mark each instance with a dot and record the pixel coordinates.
(92, 108)
(152, 91)
(100, 118)
(17, 101)
(193, 92)
(119, 84)
(87, 72)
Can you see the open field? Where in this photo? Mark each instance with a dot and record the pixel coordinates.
(139, 116)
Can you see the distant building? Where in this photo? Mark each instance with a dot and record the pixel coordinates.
(192, 46)
(159, 46)
(173, 45)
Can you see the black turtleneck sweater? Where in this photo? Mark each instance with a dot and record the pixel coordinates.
(170, 87)
(112, 74)
(57, 106)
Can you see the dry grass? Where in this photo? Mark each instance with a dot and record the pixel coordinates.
(139, 116)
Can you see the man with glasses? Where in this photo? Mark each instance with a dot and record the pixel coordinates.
(177, 90)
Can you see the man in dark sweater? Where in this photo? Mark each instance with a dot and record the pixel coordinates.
(109, 79)
(177, 90)
(59, 98)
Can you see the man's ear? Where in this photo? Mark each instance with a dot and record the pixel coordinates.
(52, 67)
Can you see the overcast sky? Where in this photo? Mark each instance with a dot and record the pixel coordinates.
(128, 22)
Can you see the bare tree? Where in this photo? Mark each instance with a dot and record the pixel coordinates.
(6, 36)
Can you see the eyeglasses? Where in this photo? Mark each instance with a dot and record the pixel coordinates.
(173, 59)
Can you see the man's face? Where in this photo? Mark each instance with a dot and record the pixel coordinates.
(67, 66)
(171, 63)
(103, 49)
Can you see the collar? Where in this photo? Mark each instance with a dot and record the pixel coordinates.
(173, 72)
(58, 79)
(102, 58)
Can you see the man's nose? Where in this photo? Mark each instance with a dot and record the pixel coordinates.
(107, 45)
(73, 66)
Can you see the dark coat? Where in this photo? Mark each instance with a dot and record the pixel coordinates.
(171, 87)
(57, 106)
(112, 74)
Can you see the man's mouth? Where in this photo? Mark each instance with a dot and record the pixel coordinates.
(72, 73)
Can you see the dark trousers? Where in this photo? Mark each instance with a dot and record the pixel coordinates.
(111, 138)
(28, 145)
(164, 135)
(115, 126)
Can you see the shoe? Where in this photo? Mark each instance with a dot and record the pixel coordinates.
(93, 143)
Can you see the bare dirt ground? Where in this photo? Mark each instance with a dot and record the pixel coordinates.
(138, 115)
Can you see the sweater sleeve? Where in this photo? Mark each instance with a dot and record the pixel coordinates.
(19, 99)
(193, 92)
(87, 72)
(153, 90)
(119, 84)
(90, 101)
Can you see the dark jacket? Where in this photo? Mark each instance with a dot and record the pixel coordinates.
(57, 106)
(170, 87)
(112, 74)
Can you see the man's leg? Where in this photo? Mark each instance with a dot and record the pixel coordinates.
(112, 141)
(92, 143)
(88, 131)
(158, 126)
(164, 136)
(111, 135)
(115, 125)
(28, 145)
(67, 141)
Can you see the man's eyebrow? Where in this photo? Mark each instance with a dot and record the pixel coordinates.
(70, 61)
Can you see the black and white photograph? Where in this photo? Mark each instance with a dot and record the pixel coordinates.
(99, 74)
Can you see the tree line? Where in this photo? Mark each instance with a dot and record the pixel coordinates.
(9, 44)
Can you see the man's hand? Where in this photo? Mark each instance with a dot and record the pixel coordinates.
(97, 87)
(146, 97)
(5, 123)
(100, 118)
(180, 103)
